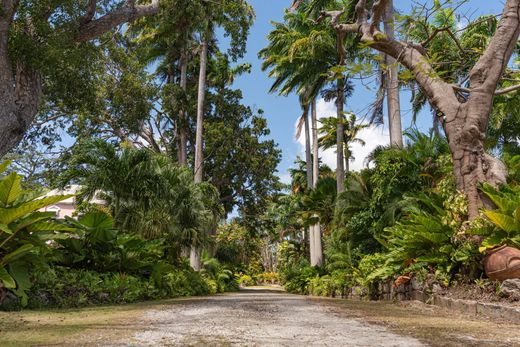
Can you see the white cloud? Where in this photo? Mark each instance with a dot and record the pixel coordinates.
(373, 137)
(285, 178)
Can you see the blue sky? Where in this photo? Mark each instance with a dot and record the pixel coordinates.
(282, 112)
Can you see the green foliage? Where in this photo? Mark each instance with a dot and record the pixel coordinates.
(147, 193)
(98, 246)
(64, 287)
(223, 278)
(246, 280)
(24, 231)
(335, 284)
(427, 238)
(503, 224)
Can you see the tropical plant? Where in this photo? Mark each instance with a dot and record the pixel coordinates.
(351, 129)
(98, 246)
(24, 231)
(502, 225)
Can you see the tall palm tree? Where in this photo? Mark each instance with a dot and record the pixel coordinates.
(298, 56)
(235, 17)
(351, 131)
(392, 83)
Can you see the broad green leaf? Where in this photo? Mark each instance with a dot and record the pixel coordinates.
(20, 273)
(5, 229)
(97, 220)
(516, 215)
(17, 253)
(6, 279)
(49, 226)
(4, 165)
(502, 221)
(493, 241)
(30, 219)
(9, 215)
(10, 189)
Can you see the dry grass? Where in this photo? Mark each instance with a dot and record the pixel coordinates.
(67, 327)
(435, 326)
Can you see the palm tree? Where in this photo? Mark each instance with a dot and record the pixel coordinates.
(392, 83)
(351, 131)
(298, 56)
(147, 193)
(236, 17)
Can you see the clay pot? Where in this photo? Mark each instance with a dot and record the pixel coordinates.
(502, 263)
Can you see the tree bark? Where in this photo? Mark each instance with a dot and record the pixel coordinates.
(340, 170)
(195, 261)
(21, 85)
(181, 126)
(199, 155)
(317, 250)
(392, 84)
(308, 154)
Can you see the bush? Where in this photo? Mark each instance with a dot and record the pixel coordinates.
(335, 284)
(268, 277)
(61, 287)
(297, 278)
(246, 280)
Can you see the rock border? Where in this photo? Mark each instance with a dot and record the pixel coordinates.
(431, 295)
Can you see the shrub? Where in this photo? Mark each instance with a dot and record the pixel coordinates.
(246, 280)
(297, 278)
(268, 277)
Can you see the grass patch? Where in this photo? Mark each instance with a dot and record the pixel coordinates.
(64, 327)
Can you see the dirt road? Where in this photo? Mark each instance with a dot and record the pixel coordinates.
(254, 317)
(260, 318)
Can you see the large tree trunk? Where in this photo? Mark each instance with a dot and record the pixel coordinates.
(340, 170)
(317, 250)
(471, 164)
(20, 94)
(182, 124)
(199, 157)
(392, 84)
(21, 86)
(309, 174)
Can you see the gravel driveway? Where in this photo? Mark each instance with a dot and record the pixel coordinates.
(259, 318)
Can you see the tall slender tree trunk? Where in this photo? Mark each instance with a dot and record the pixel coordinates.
(340, 169)
(182, 124)
(199, 157)
(392, 83)
(347, 159)
(309, 174)
(317, 259)
(308, 154)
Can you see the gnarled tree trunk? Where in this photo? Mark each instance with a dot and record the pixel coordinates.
(21, 85)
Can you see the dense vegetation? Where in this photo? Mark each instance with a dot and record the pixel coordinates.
(134, 102)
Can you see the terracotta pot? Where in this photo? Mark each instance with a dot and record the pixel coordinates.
(502, 263)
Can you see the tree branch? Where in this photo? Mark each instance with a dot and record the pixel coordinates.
(128, 13)
(91, 11)
(378, 9)
(497, 92)
(507, 90)
(491, 65)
